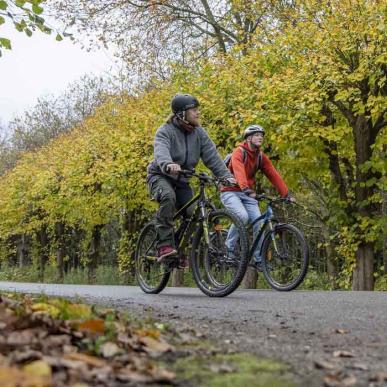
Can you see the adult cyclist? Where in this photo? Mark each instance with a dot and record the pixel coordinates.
(179, 144)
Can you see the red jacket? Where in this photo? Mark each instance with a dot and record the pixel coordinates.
(244, 172)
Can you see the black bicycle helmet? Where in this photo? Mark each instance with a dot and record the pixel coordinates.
(182, 102)
(252, 129)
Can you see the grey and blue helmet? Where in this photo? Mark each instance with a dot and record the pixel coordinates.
(252, 129)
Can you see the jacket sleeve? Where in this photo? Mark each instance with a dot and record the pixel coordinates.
(162, 146)
(211, 157)
(271, 173)
(238, 168)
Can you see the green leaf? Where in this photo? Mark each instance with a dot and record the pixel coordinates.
(36, 9)
(58, 37)
(6, 43)
(20, 3)
(28, 32)
(2, 20)
(3, 5)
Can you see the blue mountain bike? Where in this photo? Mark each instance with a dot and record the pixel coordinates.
(284, 251)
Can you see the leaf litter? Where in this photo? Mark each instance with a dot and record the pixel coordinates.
(58, 343)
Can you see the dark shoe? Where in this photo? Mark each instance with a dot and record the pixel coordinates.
(165, 252)
(258, 266)
(183, 262)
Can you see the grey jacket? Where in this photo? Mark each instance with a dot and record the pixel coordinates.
(175, 145)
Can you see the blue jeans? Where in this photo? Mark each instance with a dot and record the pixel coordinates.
(246, 208)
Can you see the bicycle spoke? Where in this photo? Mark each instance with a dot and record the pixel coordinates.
(216, 268)
(151, 275)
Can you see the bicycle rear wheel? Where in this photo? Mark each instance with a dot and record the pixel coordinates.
(217, 271)
(152, 276)
(285, 257)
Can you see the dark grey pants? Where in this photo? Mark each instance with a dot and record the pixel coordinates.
(170, 196)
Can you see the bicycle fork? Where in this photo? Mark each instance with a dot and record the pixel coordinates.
(203, 218)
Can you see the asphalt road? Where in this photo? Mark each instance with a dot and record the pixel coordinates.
(304, 329)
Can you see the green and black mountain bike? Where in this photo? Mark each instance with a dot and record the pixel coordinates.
(215, 270)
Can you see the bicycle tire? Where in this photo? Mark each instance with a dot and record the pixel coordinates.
(205, 281)
(144, 265)
(268, 249)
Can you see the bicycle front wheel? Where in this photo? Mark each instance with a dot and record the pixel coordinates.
(218, 271)
(285, 257)
(152, 276)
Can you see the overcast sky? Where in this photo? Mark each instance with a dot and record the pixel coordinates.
(40, 65)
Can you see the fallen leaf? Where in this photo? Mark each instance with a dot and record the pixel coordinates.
(163, 375)
(13, 377)
(25, 356)
(96, 325)
(359, 366)
(154, 333)
(343, 354)
(155, 345)
(342, 331)
(128, 375)
(88, 359)
(349, 381)
(78, 311)
(45, 308)
(38, 368)
(110, 349)
(324, 365)
(19, 338)
(379, 377)
(331, 381)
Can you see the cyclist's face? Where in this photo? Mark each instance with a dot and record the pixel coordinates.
(193, 116)
(256, 139)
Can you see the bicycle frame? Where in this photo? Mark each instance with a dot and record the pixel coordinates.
(267, 217)
(201, 200)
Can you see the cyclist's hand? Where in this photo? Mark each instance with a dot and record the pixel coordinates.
(290, 197)
(173, 168)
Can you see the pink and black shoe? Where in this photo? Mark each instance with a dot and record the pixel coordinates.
(165, 252)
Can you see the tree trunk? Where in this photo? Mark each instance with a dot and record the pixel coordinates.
(178, 278)
(250, 280)
(43, 254)
(22, 251)
(61, 252)
(95, 244)
(129, 225)
(363, 274)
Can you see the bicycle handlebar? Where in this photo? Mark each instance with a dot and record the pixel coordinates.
(203, 177)
(272, 199)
